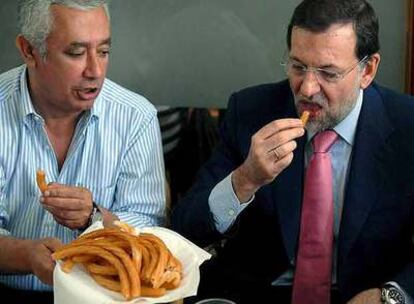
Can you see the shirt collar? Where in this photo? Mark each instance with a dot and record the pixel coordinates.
(98, 104)
(346, 129)
(26, 106)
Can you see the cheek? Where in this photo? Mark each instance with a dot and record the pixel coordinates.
(62, 80)
(295, 86)
(104, 65)
(336, 99)
(52, 79)
(331, 97)
(70, 76)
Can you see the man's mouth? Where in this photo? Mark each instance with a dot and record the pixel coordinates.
(88, 93)
(312, 107)
(90, 90)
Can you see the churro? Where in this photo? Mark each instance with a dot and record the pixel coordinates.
(304, 117)
(41, 180)
(119, 259)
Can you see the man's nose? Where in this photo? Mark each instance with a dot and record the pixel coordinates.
(94, 67)
(310, 84)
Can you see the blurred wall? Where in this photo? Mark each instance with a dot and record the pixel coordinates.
(196, 52)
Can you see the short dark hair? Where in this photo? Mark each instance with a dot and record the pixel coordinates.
(318, 15)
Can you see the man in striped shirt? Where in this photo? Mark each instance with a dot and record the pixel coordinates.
(98, 143)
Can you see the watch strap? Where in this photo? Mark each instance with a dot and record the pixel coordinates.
(95, 209)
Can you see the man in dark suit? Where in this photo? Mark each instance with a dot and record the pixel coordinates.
(248, 197)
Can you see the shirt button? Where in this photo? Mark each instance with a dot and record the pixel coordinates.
(231, 212)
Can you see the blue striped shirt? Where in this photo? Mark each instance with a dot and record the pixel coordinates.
(116, 153)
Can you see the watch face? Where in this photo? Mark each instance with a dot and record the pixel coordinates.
(396, 296)
(97, 216)
(392, 295)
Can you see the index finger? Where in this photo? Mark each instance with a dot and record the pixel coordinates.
(279, 125)
(64, 191)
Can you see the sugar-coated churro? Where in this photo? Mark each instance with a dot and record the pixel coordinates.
(304, 117)
(136, 265)
(41, 180)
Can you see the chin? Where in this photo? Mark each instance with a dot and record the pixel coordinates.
(312, 127)
(84, 105)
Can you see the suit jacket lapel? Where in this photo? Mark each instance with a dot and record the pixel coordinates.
(287, 195)
(366, 175)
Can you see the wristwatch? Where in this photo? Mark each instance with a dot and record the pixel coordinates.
(96, 215)
(392, 295)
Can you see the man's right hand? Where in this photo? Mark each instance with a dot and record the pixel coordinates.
(271, 151)
(40, 259)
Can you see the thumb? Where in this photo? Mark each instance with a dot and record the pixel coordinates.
(53, 244)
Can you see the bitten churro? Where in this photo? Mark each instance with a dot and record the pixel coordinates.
(41, 180)
(304, 117)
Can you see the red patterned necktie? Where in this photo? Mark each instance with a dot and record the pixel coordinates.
(313, 273)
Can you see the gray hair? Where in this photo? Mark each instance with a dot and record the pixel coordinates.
(36, 20)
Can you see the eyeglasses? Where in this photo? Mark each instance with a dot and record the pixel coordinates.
(294, 68)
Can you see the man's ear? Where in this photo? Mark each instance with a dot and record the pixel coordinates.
(26, 50)
(370, 70)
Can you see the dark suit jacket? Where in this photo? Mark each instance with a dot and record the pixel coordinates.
(375, 238)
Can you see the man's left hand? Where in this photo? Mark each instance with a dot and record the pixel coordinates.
(70, 206)
(370, 296)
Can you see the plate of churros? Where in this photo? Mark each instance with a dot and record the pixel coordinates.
(122, 264)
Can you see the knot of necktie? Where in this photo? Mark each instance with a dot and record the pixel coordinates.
(323, 141)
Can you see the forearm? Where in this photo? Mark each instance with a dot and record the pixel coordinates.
(243, 187)
(14, 255)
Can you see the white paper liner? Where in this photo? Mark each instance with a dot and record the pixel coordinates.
(77, 287)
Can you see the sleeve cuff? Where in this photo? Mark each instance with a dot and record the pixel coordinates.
(224, 204)
(4, 232)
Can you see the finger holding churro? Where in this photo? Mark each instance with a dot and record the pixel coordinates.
(71, 206)
(270, 153)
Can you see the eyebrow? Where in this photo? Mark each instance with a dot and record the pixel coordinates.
(326, 66)
(80, 44)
